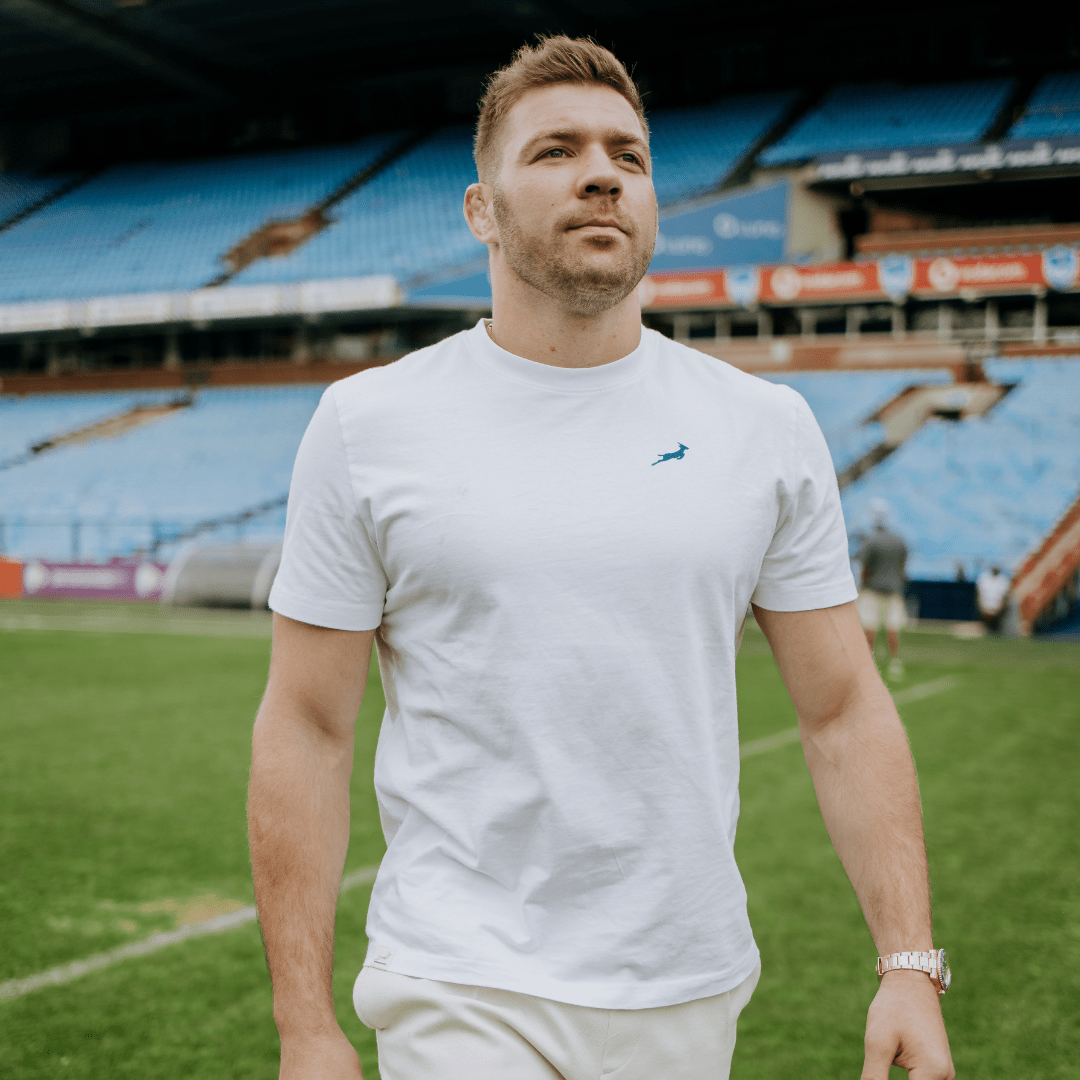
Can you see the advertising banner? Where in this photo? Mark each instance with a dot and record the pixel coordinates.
(749, 227)
(88, 581)
(893, 277)
(957, 158)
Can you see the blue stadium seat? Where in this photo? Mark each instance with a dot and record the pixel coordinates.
(983, 490)
(164, 226)
(1053, 110)
(694, 149)
(233, 449)
(18, 190)
(885, 115)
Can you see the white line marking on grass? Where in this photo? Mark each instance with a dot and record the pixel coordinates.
(770, 742)
(65, 973)
(926, 689)
(95, 624)
(912, 693)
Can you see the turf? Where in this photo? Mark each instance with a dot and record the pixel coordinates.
(124, 772)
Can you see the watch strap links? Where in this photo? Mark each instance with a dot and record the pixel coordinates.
(909, 961)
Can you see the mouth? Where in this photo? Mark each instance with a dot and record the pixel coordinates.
(598, 223)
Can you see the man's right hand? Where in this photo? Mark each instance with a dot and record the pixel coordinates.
(298, 820)
(323, 1057)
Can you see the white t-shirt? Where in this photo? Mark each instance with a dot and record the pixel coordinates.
(558, 562)
(991, 590)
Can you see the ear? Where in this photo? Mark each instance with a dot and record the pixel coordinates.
(479, 213)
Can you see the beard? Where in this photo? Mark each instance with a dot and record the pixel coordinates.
(578, 284)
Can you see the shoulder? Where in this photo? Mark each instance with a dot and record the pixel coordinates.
(418, 385)
(413, 370)
(711, 375)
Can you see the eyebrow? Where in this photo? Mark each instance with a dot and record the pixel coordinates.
(616, 136)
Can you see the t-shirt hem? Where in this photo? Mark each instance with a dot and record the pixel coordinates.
(783, 598)
(654, 994)
(321, 613)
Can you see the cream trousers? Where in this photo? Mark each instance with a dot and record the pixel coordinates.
(442, 1031)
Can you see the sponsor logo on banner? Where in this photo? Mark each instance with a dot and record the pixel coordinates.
(729, 227)
(896, 276)
(786, 282)
(115, 581)
(944, 275)
(1060, 266)
(947, 275)
(743, 284)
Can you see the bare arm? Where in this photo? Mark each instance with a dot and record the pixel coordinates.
(863, 774)
(298, 821)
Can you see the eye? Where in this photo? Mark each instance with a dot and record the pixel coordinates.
(555, 151)
(632, 158)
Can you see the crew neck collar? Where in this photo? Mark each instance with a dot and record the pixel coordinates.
(567, 380)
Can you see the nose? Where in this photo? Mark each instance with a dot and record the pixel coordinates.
(598, 175)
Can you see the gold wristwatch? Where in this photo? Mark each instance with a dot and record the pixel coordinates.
(934, 963)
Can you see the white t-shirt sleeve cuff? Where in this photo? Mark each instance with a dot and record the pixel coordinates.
(322, 613)
(786, 598)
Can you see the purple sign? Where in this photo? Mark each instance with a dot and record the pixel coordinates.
(94, 581)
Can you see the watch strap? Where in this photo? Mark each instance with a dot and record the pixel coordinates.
(908, 961)
(932, 963)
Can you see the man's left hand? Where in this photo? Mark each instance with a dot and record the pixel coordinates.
(904, 1028)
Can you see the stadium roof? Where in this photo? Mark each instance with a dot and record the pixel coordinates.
(260, 71)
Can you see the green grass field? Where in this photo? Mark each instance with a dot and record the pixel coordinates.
(124, 766)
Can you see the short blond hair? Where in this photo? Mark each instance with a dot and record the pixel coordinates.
(551, 61)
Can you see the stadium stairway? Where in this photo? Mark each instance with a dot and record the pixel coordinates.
(983, 490)
(1053, 109)
(1049, 572)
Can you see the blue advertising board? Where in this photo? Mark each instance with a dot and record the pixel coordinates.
(749, 228)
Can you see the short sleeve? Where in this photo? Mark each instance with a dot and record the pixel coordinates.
(807, 565)
(330, 573)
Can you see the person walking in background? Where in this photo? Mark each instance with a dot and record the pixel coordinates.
(991, 589)
(883, 557)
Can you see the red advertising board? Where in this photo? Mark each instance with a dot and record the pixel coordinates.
(10, 577)
(892, 277)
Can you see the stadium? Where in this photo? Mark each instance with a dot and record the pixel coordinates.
(210, 211)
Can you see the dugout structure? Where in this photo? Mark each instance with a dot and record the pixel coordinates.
(223, 575)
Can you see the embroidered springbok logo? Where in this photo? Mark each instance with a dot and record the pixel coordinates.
(675, 454)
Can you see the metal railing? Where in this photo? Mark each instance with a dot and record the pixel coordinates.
(102, 538)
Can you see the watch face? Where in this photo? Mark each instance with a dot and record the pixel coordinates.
(944, 972)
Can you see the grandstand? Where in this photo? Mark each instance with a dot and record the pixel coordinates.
(151, 301)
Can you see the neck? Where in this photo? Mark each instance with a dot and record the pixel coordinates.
(528, 323)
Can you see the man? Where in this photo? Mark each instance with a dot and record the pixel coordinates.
(991, 589)
(883, 557)
(552, 525)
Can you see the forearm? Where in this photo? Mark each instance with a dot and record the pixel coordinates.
(866, 786)
(298, 819)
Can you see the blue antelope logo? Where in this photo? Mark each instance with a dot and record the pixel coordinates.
(674, 455)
